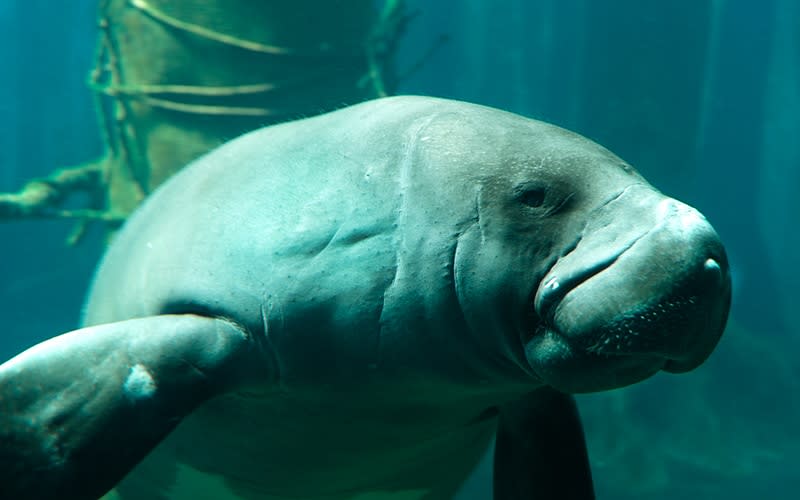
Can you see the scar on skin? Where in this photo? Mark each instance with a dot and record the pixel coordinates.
(140, 383)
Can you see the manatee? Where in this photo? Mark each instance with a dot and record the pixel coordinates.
(352, 306)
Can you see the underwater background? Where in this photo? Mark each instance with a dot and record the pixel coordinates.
(702, 96)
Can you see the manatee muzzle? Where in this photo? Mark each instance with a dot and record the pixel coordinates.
(647, 277)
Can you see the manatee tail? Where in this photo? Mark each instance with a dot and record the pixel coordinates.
(79, 411)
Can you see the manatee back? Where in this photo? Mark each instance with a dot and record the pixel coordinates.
(218, 233)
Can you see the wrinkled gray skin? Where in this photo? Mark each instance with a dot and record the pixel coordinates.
(351, 303)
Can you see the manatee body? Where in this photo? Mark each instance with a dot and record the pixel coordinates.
(353, 305)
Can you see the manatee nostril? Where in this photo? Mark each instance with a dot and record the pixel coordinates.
(712, 269)
(715, 270)
(712, 265)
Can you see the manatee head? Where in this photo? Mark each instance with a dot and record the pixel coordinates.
(573, 265)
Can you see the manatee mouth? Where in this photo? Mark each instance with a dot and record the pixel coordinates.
(546, 297)
(604, 340)
(649, 328)
(544, 303)
(590, 358)
(550, 294)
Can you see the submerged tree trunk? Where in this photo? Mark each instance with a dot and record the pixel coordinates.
(174, 79)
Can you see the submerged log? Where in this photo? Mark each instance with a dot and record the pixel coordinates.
(174, 79)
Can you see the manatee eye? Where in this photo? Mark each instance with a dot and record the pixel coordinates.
(533, 197)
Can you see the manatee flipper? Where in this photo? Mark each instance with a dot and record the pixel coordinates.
(78, 411)
(540, 451)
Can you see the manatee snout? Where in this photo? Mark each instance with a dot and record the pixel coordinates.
(646, 285)
(695, 309)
